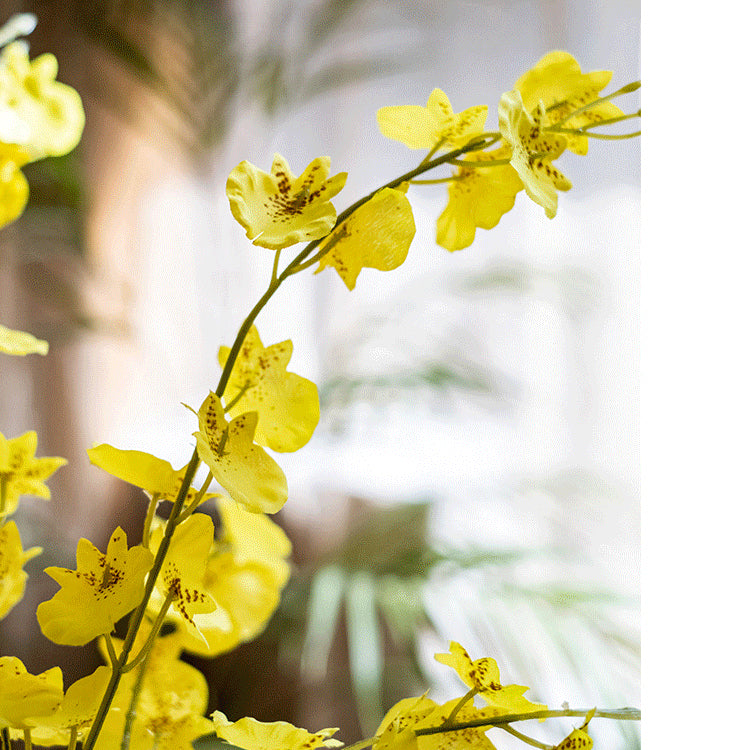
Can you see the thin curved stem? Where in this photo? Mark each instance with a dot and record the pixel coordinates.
(275, 270)
(600, 136)
(626, 89)
(525, 738)
(197, 500)
(598, 124)
(148, 520)
(110, 649)
(155, 628)
(471, 164)
(437, 181)
(469, 696)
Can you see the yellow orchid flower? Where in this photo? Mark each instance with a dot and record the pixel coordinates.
(245, 573)
(287, 404)
(18, 342)
(396, 730)
(557, 81)
(424, 127)
(172, 699)
(169, 713)
(377, 235)
(483, 676)
(92, 598)
(250, 476)
(251, 734)
(533, 151)
(12, 559)
(578, 739)
(39, 117)
(21, 473)
(477, 197)
(184, 567)
(75, 712)
(51, 111)
(24, 695)
(471, 737)
(153, 475)
(279, 209)
(14, 195)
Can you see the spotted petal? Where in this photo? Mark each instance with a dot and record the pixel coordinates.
(557, 81)
(101, 590)
(377, 235)
(286, 403)
(533, 151)
(278, 209)
(242, 468)
(424, 127)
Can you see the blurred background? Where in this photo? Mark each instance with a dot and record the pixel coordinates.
(475, 473)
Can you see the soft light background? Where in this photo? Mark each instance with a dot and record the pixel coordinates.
(542, 314)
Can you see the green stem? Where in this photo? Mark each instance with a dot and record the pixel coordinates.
(437, 181)
(609, 121)
(5, 736)
(155, 628)
(149, 518)
(600, 136)
(110, 649)
(623, 714)
(525, 738)
(477, 164)
(460, 705)
(433, 151)
(234, 401)
(131, 714)
(27, 739)
(627, 89)
(73, 741)
(197, 500)
(274, 272)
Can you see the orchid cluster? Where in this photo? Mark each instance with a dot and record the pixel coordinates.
(186, 586)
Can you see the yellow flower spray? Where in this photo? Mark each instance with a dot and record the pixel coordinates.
(219, 591)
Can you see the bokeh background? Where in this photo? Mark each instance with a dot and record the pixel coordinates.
(475, 473)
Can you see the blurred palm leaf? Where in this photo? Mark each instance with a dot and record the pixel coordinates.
(194, 58)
